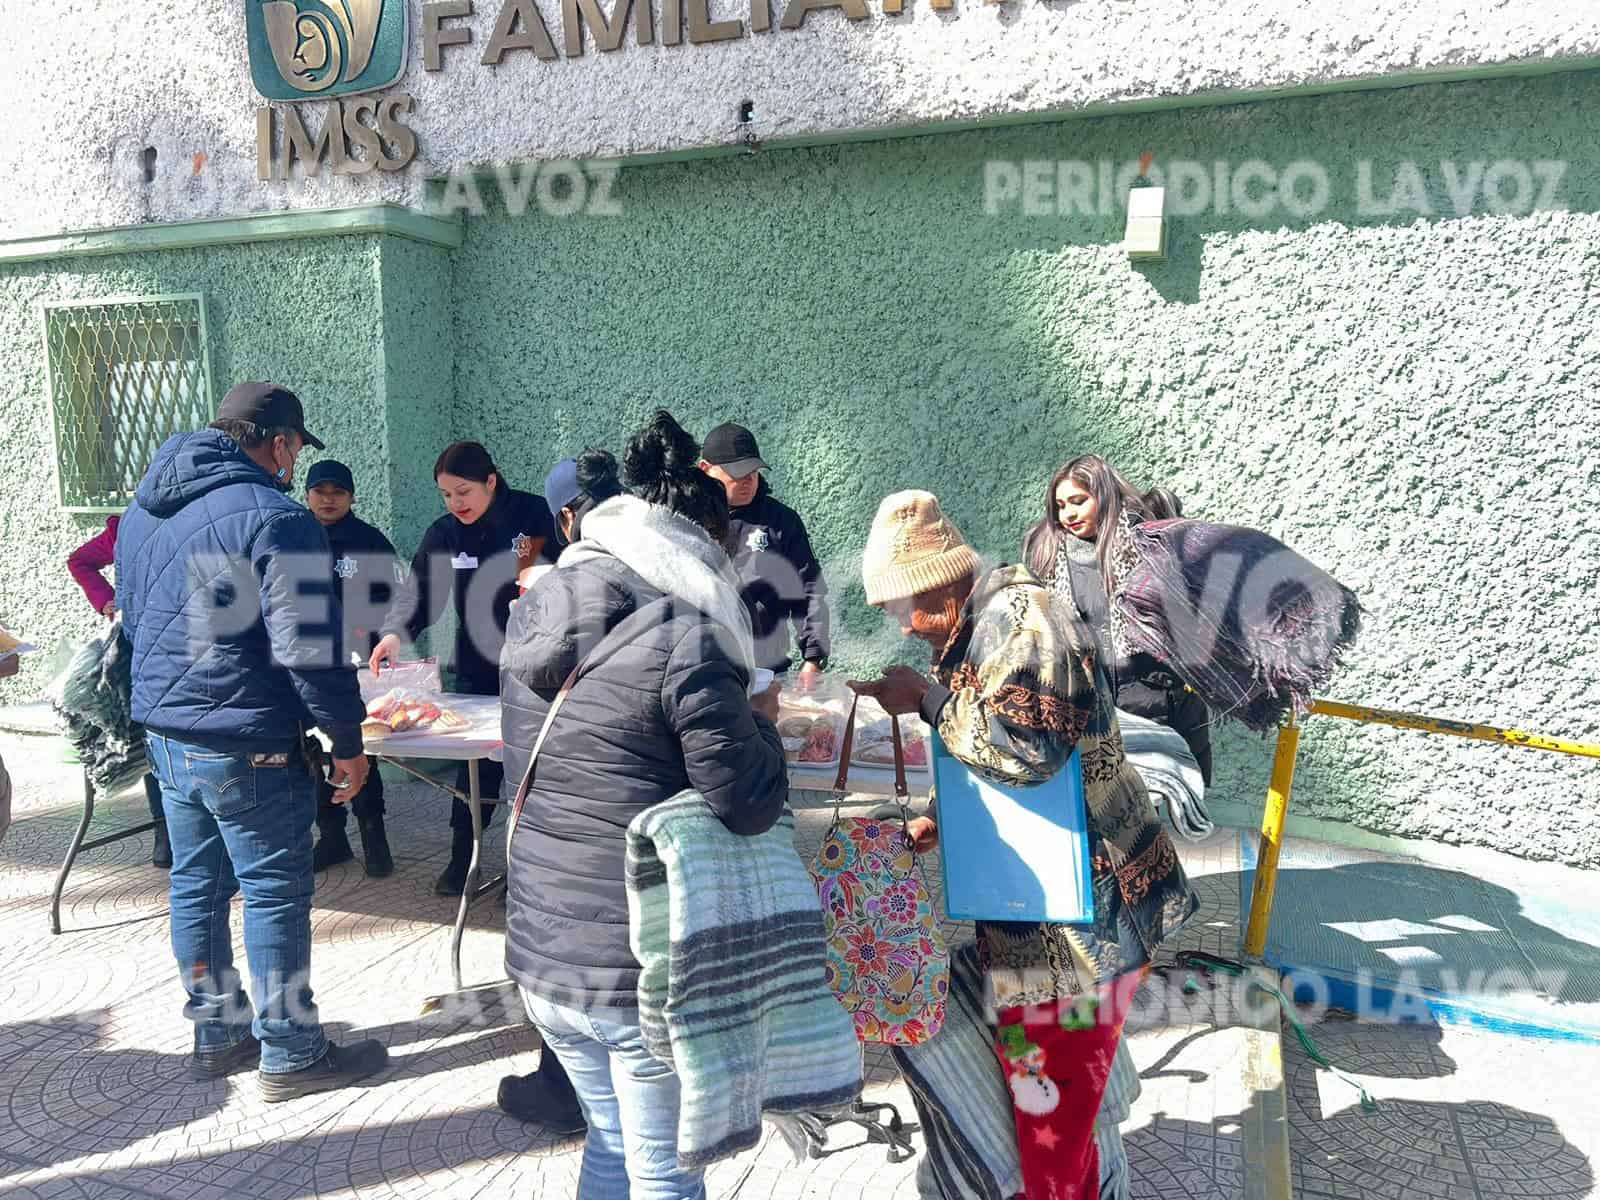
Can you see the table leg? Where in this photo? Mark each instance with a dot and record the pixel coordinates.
(475, 807)
(72, 853)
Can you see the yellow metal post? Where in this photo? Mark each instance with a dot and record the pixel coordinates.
(1255, 941)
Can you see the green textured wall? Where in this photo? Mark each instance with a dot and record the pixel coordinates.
(418, 377)
(305, 314)
(1408, 400)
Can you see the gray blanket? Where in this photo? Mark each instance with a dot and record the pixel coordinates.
(1170, 773)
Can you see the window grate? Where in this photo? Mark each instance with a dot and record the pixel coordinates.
(124, 375)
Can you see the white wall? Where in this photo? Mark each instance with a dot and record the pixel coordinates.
(88, 84)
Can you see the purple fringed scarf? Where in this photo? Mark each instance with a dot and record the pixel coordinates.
(1250, 625)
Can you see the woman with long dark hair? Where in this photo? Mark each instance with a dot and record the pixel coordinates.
(471, 556)
(1079, 548)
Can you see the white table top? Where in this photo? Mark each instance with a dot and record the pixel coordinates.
(482, 740)
(863, 781)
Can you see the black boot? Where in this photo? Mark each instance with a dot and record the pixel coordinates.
(454, 879)
(214, 1064)
(161, 854)
(339, 1067)
(333, 848)
(544, 1098)
(375, 848)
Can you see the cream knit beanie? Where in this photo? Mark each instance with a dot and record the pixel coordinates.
(912, 548)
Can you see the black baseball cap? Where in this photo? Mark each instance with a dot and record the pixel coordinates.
(331, 471)
(733, 448)
(267, 404)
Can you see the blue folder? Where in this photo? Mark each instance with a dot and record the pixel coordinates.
(1013, 853)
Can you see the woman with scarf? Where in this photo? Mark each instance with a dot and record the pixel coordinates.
(662, 710)
(1015, 691)
(1074, 550)
(472, 557)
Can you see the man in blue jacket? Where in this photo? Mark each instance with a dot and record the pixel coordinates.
(222, 582)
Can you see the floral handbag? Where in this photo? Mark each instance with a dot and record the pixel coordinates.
(887, 961)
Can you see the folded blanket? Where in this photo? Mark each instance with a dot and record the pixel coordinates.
(94, 695)
(728, 932)
(1170, 773)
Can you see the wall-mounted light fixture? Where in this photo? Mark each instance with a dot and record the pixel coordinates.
(1146, 238)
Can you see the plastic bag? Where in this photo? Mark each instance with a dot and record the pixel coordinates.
(410, 710)
(420, 677)
(811, 723)
(94, 695)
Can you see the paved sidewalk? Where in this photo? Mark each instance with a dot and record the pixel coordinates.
(1463, 1114)
(98, 1105)
(93, 1045)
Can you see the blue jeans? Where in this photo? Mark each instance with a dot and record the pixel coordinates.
(235, 825)
(629, 1099)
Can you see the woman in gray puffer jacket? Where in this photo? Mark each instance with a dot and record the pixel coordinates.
(666, 710)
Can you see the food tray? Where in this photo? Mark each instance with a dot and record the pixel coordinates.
(827, 705)
(873, 735)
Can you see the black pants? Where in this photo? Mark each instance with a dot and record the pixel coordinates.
(366, 803)
(152, 797)
(490, 775)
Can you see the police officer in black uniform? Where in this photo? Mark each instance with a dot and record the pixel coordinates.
(472, 556)
(364, 572)
(780, 579)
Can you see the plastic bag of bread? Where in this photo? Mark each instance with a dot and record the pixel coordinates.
(874, 742)
(401, 710)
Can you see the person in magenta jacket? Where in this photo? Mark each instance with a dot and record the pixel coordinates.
(85, 563)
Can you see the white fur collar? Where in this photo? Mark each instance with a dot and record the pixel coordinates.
(673, 554)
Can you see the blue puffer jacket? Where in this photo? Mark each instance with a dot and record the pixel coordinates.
(223, 586)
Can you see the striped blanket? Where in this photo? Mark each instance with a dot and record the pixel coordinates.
(728, 933)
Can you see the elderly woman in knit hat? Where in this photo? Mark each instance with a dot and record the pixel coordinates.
(1015, 690)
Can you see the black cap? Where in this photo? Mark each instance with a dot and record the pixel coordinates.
(267, 404)
(331, 471)
(733, 448)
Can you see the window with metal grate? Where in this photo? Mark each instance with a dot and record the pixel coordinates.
(124, 375)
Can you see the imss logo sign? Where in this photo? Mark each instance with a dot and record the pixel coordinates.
(330, 50)
(316, 49)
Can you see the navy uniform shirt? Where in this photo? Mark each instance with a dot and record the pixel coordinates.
(780, 580)
(516, 532)
(365, 572)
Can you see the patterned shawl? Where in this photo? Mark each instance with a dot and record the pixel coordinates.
(732, 991)
(1025, 691)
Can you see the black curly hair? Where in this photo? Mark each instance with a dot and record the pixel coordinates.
(597, 474)
(662, 466)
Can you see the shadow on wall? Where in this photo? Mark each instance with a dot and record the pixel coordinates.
(880, 324)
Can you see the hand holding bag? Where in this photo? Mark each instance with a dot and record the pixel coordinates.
(887, 960)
